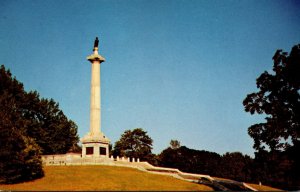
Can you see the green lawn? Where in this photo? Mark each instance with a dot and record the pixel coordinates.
(71, 178)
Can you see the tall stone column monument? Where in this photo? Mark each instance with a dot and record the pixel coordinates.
(94, 143)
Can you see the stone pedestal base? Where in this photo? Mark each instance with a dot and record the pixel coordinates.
(95, 146)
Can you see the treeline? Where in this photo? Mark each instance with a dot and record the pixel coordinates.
(29, 127)
(138, 144)
(275, 169)
(230, 165)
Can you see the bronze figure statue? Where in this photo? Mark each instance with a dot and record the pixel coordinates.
(96, 42)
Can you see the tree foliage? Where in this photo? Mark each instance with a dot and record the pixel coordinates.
(174, 144)
(277, 140)
(236, 166)
(29, 126)
(190, 160)
(135, 143)
(20, 158)
(52, 131)
(19, 155)
(233, 165)
(278, 98)
(42, 119)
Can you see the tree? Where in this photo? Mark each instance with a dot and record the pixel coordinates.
(52, 130)
(19, 155)
(236, 166)
(278, 138)
(190, 160)
(29, 126)
(135, 143)
(20, 158)
(175, 144)
(45, 122)
(278, 98)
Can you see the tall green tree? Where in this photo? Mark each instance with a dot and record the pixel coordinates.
(52, 130)
(278, 98)
(278, 138)
(29, 126)
(19, 155)
(45, 122)
(135, 143)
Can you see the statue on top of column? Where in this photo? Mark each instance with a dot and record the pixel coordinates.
(96, 42)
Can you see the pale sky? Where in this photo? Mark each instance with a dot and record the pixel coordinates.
(178, 69)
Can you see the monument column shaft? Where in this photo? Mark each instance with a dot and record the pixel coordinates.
(94, 142)
(95, 108)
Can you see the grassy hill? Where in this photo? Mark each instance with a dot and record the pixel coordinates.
(72, 178)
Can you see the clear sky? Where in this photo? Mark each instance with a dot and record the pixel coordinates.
(178, 69)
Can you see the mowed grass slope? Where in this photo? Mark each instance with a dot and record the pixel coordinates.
(72, 178)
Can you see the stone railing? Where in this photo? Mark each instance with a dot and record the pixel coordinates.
(125, 159)
(77, 159)
(61, 159)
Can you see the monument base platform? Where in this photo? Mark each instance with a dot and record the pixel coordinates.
(95, 145)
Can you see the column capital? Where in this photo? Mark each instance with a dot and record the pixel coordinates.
(95, 57)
